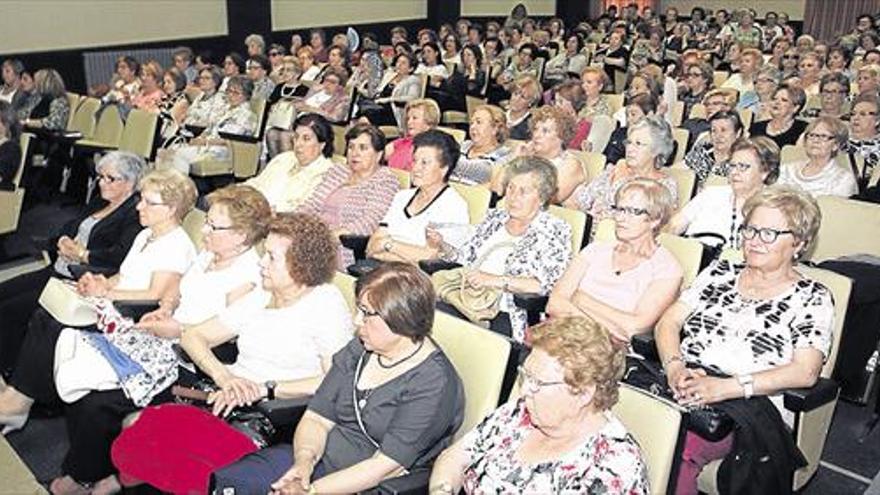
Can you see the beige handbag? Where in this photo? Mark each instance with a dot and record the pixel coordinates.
(62, 301)
(478, 305)
(281, 115)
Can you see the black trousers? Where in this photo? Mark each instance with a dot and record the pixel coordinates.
(18, 300)
(33, 374)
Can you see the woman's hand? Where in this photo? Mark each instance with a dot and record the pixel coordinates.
(479, 280)
(166, 328)
(234, 392)
(699, 389)
(68, 248)
(295, 481)
(93, 285)
(159, 314)
(433, 239)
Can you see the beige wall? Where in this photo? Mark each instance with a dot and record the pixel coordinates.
(503, 7)
(40, 25)
(296, 14)
(794, 8)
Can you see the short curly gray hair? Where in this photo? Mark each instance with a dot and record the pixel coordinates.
(662, 143)
(543, 170)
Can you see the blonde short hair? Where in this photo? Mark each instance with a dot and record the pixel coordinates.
(587, 354)
(499, 121)
(176, 190)
(597, 71)
(799, 208)
(528, 83)
(246, 208)
(730, 95)
(427, 105)
(837, 128)
(154, 69)
(660, 202)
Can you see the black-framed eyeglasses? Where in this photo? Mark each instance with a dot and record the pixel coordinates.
(791, 57)
(363, 312)
(108, 178)
(834, 91)
(532, 384)
(218, 228)
(274, 54)
(741, 166)
(766, 234)
(630, 211)
(820, 137)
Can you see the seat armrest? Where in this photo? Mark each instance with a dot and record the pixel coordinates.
(194, 129)
(282, 412)
(645, 345)
(135, 308)
(531, 302)
(239, 137)
(432, 266)
(807, 399)
(415, 482)
(357, 243)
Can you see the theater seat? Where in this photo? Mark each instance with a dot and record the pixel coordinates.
(11, 201)
(837, 237)
(477, 198)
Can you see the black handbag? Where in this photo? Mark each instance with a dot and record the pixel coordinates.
(708, 422)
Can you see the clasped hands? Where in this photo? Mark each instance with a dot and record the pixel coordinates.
(235, 392)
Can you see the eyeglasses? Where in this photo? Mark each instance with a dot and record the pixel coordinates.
(234, 91)
(695, 74)
(791, 57)
(637, 144)
(147, 202)
(864, 114)
(108, 178)
(205, 78)
(532, 384)
(834, 91)
(217, 228)
(766, 234)
(819, 137)
(629, 211)
(363, 312)
(274, 54)
(740, 166)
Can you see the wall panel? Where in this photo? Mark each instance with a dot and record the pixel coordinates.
(794, 8)
(297, 14)
(479, 8)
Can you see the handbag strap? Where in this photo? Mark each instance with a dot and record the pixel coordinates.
(479, 261)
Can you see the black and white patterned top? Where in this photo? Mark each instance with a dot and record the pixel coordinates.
(735, 335)
(701, 159)
(869, 149)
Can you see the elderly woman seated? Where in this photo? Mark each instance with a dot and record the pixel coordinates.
(864, 134)
(431, 201)
(833, 94)
(820, 174)
(519, 248)
(649, 145)
(398, 86)
(390, 403)
(210, 104)
(525, 96)
(353, 197)
(783, 126)
(159, 255)
(285, 349)
(328, 98)
(560, 436)
(291, 177)
(221, 275)
(482, 154)
(711, 156)
(209, 145)
(760, 324)
(717, 211)
(624, 284)
(419, 116)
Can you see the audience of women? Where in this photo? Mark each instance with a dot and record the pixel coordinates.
(159, 255)
(523, 248)
(624, 284)
(420, 115)
(482, 154)
(761, 324)
(649, 145)
(560, 436)
(353, 197)
(217, 282)
(718, 210)
(390, 403)
(783, 127)
(820, 174)
(291, 177)
(711, 156)
(286, 349)
(430, 202)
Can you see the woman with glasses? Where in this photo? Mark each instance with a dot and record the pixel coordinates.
(759, 326)
(525, 96)
(211, 103)
(328, 98)
(151, 270)
(560, 435)
(217, 282)
(768, 79)
(864, 135)
(233, 65)
(390, 403)
(783, 128)
(698, 80)
(717, 210)
(789, 66)
(710, 156)
(833, 92)
(100, 238)
(624, 284)
(820, 174)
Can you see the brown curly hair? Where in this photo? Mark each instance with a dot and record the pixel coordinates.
(565, 123)
(586, 352)
(311, 258)
(246, 207)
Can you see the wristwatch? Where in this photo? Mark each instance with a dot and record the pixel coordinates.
(748, 384)
(270, 389)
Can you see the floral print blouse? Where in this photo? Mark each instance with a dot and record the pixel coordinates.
(608, 462)
(206, 110)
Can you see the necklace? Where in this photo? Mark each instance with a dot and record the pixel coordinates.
(400, 361)
(288, 91)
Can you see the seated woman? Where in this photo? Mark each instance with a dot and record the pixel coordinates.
(570, 98)
(485, 151)
(125, 83)
(353, 197)
(285, 349)
(716, 100)
(712, 156)
(210, 105)
(151, 92)
(820, 174)
(10, 149)
(636, 108)
(864, 134)
(174, 105)
(649, 144)
(217, 281)
(569, 61)
(282, 107)
(593, 81)
(328, 98)
(560, 436)
(436, 72)
(419, 116)
(760, 322)
(209, 145)
(100, 237)
(525, 95)
(431, 200)
(522, 247)
(768, 79)
(160, 253)
(48, 107)
(718, 210)
(233, 65)
(551, 129)
(398, 86)
(833, 95)
(291, 177)
(390, 404)
(783, 127)
(627, 283)
(698, 80)
(468, 78)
